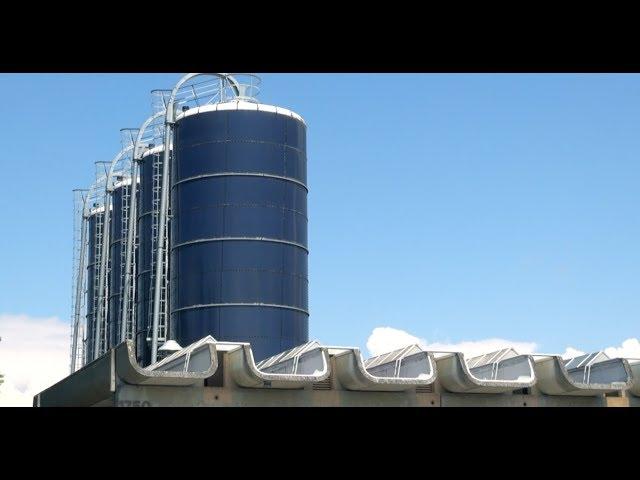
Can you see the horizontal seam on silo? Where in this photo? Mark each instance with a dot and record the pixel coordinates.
(261, 270)
(215, 305)
(225, 239)
(244, 205)
(240, 174)
(242, 140)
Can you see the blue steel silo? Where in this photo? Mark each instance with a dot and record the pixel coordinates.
(239, 226)
(117, 239)
(115, 275)
(150, 172)
(94, 242)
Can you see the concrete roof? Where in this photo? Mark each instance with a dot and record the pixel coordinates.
(403, 369)
(634, 365)
(407, 369)
(483, 375)
(581, 379)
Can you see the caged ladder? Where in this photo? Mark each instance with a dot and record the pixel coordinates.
(98, 323)
(127, 311)
(78, 279)
(155, 224)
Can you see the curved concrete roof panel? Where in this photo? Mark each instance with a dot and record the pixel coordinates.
(497, 372)
(404, 369)
(587, 375)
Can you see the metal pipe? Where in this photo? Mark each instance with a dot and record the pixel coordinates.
(164, 198)
(80, 280)
(162, 217)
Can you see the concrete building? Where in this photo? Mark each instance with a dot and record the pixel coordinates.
(210, 374)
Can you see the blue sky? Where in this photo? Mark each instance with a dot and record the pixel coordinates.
(454, 207)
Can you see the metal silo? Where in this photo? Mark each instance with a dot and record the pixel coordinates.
(150, 166)
(120, 204)
(95, 243)
(91, 254)
(89, 238)
(108, 294)
(238, 238)
(140, 272)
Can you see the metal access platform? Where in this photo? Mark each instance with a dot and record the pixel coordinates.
(212, 373)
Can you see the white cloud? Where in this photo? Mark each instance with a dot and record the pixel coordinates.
(571, 352)
(34, 354)
(386, 339)
(630, 349)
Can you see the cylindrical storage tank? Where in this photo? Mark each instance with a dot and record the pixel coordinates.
(117, 242)
(95, 228)
(239, 227)
(144, 262)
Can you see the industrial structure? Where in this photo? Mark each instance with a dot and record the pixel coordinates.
(217, 373)
(195, 235)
